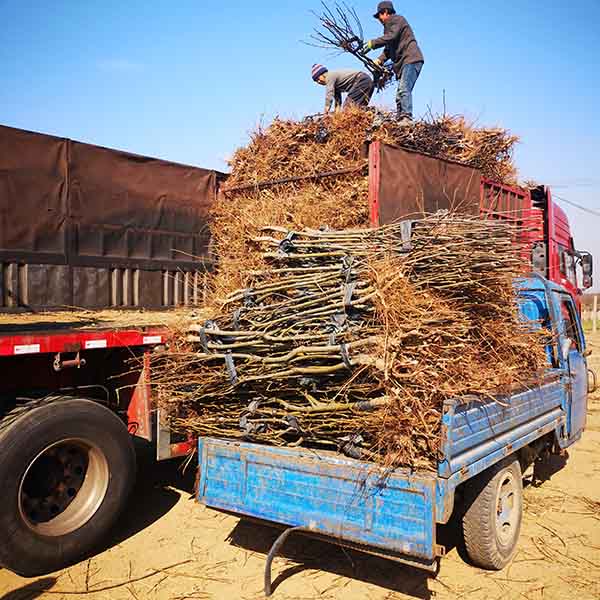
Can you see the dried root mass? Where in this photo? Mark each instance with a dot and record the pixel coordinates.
(325, 143)
(352, 340)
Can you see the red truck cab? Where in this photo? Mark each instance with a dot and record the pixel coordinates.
(564, 258)
(545, 233)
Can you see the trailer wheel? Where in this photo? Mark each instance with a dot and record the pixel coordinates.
(494, 509)
(66, 470)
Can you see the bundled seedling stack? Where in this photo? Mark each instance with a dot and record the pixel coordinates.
(351, 340)
(328, 334)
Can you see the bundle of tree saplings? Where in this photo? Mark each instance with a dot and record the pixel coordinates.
(351, 340)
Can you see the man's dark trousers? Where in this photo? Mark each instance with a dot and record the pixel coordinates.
(360, 93)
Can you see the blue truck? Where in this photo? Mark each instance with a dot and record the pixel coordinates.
(487, 445)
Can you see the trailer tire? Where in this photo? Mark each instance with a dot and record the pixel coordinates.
(493, 514)
(67, 467)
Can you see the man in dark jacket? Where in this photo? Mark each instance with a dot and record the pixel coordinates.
(400, 46)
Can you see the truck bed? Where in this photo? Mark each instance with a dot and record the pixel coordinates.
(361, 503)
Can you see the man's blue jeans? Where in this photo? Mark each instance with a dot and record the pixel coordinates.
(406, 83)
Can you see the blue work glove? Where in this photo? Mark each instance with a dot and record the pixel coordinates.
(368, 47)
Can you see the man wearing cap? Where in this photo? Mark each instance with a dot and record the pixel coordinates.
(358, 86)
(400, 46)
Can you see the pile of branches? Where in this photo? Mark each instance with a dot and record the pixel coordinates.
(351, 340)
(325, 143)
(294, 154)
(488, 149)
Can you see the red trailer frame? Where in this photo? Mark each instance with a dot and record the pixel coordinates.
(71, 348)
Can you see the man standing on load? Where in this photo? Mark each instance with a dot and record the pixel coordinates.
(400, 46)
(358, 86)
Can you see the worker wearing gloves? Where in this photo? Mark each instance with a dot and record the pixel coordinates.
(400, 46)
(358, 86)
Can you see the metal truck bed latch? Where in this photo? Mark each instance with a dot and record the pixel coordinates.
(60, 364)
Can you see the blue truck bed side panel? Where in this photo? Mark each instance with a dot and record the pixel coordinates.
(328, 494)
(479, 428)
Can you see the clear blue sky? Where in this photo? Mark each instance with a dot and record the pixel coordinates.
(187, 80)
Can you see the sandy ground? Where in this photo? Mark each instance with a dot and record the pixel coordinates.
(169, 548)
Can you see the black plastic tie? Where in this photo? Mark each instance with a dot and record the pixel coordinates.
(348, 293)
(339, 321)
(286, 246)
(207, 327)
(231, 368)
(345, 355)
(347, 263)
(349, 445)
(203, 340)
(236, 318)
(406, 228)
(294, 424)
(249, 300)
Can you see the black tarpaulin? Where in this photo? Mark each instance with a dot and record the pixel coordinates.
(84, 201)
(89, 226)
(151, 210)
(412, 183)
(33, 192)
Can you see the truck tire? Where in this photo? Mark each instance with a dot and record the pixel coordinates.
(67, 467)
(494, 510)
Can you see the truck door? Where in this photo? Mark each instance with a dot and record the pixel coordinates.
(571, 351)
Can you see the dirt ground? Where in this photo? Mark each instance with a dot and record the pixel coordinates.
(168, 548)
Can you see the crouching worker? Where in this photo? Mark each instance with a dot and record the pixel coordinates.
(357, 85)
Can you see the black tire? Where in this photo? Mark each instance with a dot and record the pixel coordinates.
(493, 514)
(67, 467)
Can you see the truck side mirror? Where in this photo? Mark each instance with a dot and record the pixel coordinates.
(587, 266)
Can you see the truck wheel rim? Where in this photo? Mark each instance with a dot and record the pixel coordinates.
(63, 487)
(507, 509)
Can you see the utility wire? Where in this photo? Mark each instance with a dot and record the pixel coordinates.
(584, 208)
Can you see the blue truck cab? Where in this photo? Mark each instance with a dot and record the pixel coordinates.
(486, 446)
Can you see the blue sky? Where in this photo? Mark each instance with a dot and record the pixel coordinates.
(188, 80)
